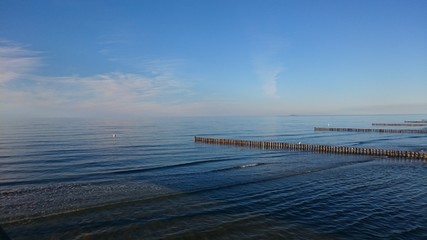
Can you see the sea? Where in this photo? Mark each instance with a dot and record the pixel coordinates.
(78, 178)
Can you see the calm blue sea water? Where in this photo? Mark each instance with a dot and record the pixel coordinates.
(71, 179)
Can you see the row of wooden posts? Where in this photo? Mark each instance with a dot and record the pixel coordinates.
(400, 124)
(409, 123)
(371, 130)
(315, 148)
(420, 121)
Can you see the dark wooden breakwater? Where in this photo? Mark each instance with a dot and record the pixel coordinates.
(421, 121)
(371, 130)
(400, 124)
(315, 148)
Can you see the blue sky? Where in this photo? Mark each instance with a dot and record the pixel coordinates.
(236, 57)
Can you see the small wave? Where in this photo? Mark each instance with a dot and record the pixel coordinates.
(249, 165)
(184, 164)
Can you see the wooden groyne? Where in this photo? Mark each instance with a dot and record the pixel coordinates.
(420, 121)
(371, 130)
(315, 148)
(400, 124)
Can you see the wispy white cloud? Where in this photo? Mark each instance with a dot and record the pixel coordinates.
(165, 67)
(269, 76)
(110, 92)
(109, 45)
(268, 65)
(16, 61)
(106, 92)
(115, 49)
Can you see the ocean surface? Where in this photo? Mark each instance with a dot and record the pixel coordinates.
(71, 179)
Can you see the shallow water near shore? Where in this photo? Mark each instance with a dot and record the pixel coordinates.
(73, 179)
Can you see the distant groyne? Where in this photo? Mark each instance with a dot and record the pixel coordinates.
(420, 121)
(315, 148)
(400, 124)
(371, 130)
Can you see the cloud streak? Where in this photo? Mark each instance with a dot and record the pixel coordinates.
(269, 77)
(119, 92)
(268, 65)
(22, 90)
(16, 61)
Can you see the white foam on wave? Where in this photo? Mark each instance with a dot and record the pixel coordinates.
(250, 165)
